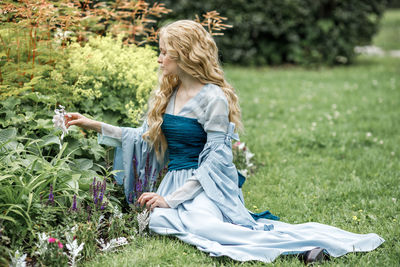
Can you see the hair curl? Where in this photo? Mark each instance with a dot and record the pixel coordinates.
(196, 53)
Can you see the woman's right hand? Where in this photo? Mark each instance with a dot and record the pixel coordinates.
(82, 121)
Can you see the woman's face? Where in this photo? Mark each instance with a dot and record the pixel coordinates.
(167, 65)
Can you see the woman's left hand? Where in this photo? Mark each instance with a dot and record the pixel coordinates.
(152, 200)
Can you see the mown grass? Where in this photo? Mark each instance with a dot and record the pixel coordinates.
(388, 37)
(327, 145)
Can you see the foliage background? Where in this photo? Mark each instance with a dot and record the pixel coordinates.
(291, 31)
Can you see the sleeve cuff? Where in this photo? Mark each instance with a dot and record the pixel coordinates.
(110, 135)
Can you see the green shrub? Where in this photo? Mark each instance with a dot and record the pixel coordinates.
(107, 79)
(294, 31)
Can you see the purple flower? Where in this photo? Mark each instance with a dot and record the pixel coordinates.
(135, 165)
(74, 208)
(51, 196)
(104, 205)
(139, 186)
(147, 167)
(101, 198)
(99, 189)
(104, 186)
(88, 208)
(154, 174)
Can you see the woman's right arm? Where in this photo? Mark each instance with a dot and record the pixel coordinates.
(82, 121)
(107, 134)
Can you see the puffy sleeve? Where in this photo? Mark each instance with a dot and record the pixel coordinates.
(217, 173)
(190, 189)
(135, 161)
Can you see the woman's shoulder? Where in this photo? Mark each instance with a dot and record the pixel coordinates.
(214, 93)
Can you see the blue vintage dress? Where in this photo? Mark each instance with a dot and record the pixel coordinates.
(216, 220)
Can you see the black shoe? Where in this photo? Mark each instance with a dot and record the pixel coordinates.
(314, 255)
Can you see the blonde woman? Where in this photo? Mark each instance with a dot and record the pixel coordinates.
(188, 128)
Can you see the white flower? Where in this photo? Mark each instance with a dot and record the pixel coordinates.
(248, 154)
(116, 242)
(336, 114)
(100, 222)
(143, 220)
(72, 246)
(369, 134)
(241, 146)
(329, 117)
(117, 213)
(42, 245)
(73, 251)
(59, 122)
(18, 260)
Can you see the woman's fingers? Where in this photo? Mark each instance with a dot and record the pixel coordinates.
(77, 122)
(150, 204)
(145, 197)
(72, 119)
(73, 116)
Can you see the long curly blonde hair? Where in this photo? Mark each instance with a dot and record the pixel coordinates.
(195, 52)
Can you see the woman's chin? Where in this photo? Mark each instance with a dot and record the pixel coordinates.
(165, 72)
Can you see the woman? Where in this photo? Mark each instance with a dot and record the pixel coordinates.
(189, 125)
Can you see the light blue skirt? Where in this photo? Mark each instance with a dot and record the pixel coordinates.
(200, 222)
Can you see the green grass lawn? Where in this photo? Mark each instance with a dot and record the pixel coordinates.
(388, 37)
(327, 145)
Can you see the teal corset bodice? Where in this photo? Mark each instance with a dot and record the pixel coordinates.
(186, 139)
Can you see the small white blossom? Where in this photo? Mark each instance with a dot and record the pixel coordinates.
(100, 222)
(241, 145)
(336, 114)
(18, 260)
(116, 242)
(42, 245)
(381, 142)
(59, 122)
(73, 251)
(143, 220)
(369, 134)
(117, 213)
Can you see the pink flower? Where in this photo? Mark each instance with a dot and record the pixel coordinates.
(52, 239)
(60, 245)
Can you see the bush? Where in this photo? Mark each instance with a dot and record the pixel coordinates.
(104, 78)
(107, 79)
(294, 31)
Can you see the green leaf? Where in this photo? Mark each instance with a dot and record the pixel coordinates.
(7, 134)
(74, 182)
(84, 164)
(49, 140)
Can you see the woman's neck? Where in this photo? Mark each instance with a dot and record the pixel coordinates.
(188, 83)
